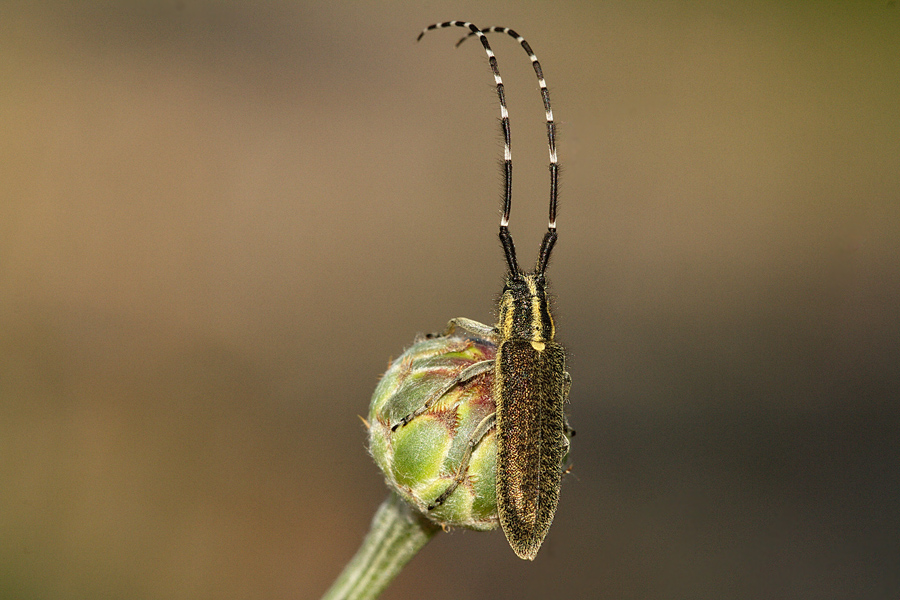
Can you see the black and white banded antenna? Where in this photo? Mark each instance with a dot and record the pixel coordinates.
(505, 236)
(545, 97)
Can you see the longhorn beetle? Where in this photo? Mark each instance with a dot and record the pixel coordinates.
(531, 385)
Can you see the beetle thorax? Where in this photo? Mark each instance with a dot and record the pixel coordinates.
(524, 309)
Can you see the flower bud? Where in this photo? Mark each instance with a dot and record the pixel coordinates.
(422, 458)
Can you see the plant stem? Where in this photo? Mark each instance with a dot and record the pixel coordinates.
(396, 535)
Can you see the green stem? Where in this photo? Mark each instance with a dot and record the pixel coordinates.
(396, 535)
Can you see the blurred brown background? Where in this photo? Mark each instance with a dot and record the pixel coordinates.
(219, 220)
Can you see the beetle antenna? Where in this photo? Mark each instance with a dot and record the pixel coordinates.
(550, 236)
(505, 237)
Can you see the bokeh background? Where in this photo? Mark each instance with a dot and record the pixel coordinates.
(219, 220)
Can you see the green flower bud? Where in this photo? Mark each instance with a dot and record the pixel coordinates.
(422, 458)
